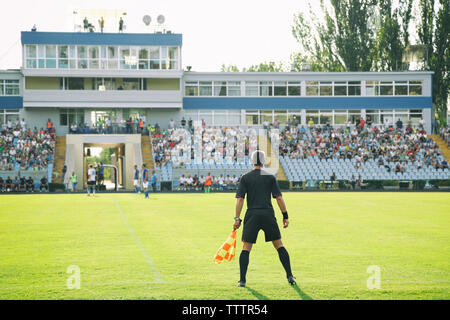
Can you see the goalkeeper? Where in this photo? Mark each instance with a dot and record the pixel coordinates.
(258, 185)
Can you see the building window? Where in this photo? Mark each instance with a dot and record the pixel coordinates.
(340, 88)
(68, 117)
(372, 88)
(401, 88)
(205, 88)
(326, 88)
(251, 88)
(312, 88)
(294, 88)
(9, 87)
(386, 88)
(265, 88)
(415, 88)
(280, 88)
(354, 88)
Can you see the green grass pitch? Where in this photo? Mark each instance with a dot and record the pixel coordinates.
(130, 248)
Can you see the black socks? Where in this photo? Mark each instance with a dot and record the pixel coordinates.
(284, 258)
(243, 263)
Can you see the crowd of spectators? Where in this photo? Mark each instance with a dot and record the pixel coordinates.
(220, 182)
(107, 126)
(391, 146)
(22, 148)
(22, 184)
(209, 144)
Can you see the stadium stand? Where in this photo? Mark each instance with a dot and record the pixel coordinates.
(310, 154)
(26, 152)
(370, 153)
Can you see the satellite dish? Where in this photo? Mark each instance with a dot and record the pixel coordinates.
(147, 19)
(161, 19)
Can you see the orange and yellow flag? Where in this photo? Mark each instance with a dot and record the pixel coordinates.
(227, 249)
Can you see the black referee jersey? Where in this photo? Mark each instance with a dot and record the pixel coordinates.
(259, 186)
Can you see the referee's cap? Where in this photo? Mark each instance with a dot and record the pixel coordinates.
(258, 158)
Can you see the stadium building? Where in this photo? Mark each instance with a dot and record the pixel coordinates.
(77, 78)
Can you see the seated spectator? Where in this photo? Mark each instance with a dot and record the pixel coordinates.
(189, 182)
(182, 182)
(201, 182)
(195, 182)
(9, 184)
(444, 164)
(23, 182)
(30, 185)
(2, 185)
(16, 184)
(44, 184)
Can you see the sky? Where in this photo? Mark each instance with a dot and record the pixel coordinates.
(215, 32)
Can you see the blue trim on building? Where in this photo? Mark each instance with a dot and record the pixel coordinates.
(11, 102)
(310, 103)
(95, 38)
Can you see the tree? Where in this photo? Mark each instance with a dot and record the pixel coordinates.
(262, 67)
(433, 31)
(392, 36)
(343, 42)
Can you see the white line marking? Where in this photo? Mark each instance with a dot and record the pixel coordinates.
(156, 273)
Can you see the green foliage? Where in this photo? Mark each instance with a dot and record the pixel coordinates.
(262, 67)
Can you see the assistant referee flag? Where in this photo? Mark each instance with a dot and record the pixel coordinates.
(227, 250)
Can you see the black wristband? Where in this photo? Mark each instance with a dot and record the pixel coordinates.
(285, 215)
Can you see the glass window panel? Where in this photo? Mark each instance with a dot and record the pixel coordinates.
(386, 90)
(415, 90)
(401, 90)
(281, 116)
(164, 53)
(325, 90)
(173, 65)
(340, 118)
(93, 64)
(191, 91)
(112, 64)
(31, 51)
(265, 88)
(173, 53)
(234, 91)
(354, 90)
(154, 53)
(50, 63)
(31, 63)
(2, 92)
(326, 118)
(205, 90)
(354, 83)
(72, 51)
(75, 83)
(280, 89)
(340, 90)
(312, 88)
(124, 53)
(82, 64)
(251, 91)
(63, 63)
(143, 64)
(103, 52)
(143, 54)
(266, 116)
(93, 53)
(41, 51)
(294, 118)
(50, 51)
(294, 91)
(154, 64)
(112, 52)
(220, 88)
(63, 118)
(82, 52)
(41, 63)
(63, 52)
(372, 90)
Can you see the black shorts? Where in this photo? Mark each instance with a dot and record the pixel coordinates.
(91, 183)
(257, 219)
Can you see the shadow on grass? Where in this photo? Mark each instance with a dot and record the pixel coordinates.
(257, 294)
(302, 295)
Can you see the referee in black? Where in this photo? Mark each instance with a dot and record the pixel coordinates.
(259, 185)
